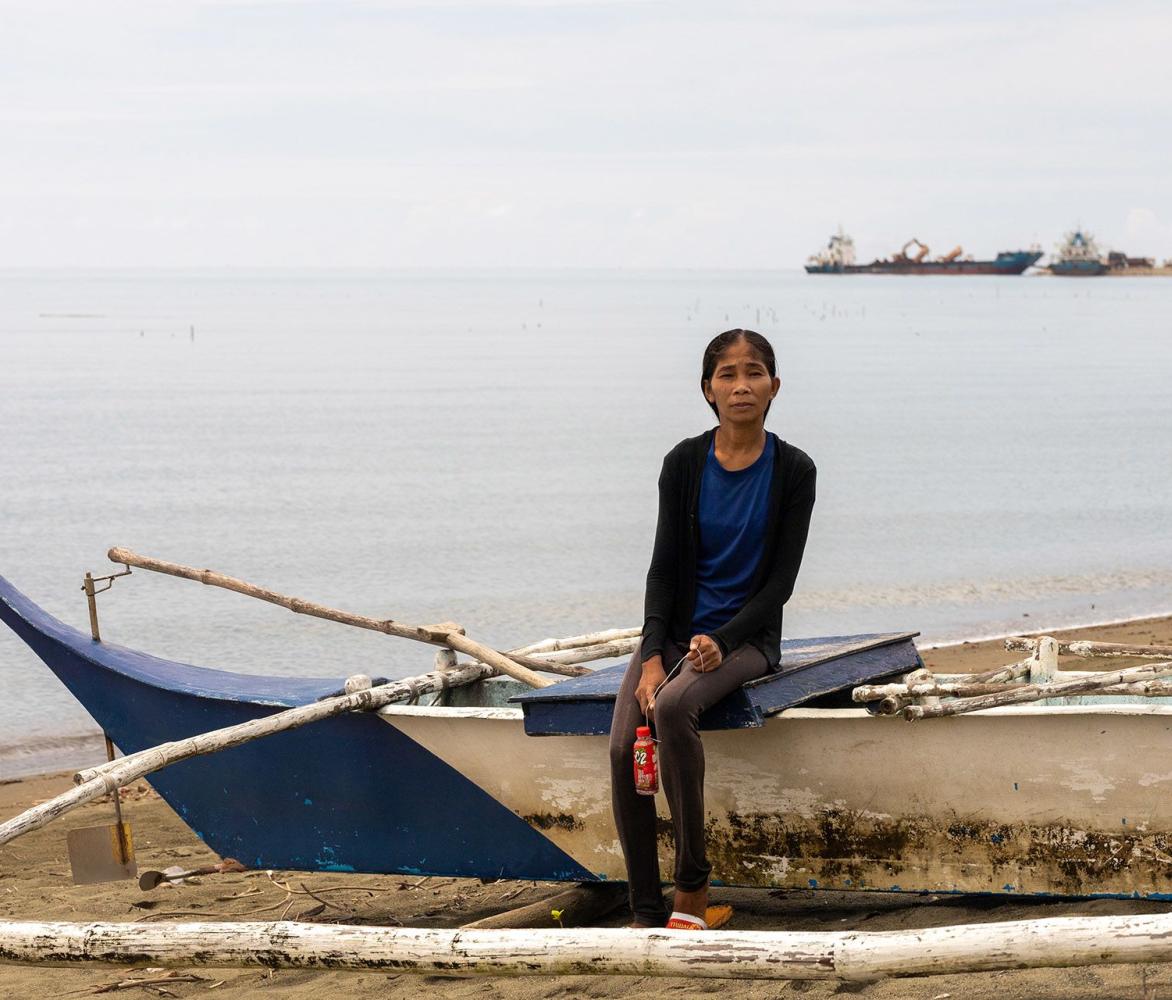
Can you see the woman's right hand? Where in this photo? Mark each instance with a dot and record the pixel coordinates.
(653, 676)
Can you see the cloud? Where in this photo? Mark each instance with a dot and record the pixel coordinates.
(681, 134)
(1146, 234)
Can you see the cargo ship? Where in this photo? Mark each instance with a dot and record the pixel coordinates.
(839, 258)
(1078, 256)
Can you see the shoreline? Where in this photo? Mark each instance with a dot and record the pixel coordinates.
(1049, 630)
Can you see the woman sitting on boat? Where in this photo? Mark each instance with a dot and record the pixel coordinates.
(734, 512)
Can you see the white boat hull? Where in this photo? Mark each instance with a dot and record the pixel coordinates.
(1066, 800)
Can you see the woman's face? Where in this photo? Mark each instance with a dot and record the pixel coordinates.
(741, 386)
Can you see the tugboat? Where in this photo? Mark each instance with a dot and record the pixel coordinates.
(839, 258)
(1078, 256)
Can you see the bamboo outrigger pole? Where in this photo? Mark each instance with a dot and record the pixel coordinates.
(858, 956)
(1145, 680)
(436, 635)
(1086, 648)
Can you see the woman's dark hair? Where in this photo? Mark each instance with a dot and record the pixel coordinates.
(722, 342)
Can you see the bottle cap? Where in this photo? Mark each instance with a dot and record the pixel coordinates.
(643, 732)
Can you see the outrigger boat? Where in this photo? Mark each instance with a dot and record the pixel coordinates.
(804, 789)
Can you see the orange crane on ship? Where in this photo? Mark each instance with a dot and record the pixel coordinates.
(923, 252)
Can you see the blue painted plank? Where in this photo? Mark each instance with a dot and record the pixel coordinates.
(792, 688)
(809, 668)
(796, 654)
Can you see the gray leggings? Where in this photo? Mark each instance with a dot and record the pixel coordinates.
(681, 771)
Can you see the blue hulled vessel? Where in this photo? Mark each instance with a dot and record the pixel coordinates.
(1078, 256)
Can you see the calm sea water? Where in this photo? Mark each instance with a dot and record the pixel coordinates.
(993, 454)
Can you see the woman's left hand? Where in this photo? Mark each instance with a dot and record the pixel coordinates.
(704, 653)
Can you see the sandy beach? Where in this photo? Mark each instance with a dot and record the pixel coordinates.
(35, 884)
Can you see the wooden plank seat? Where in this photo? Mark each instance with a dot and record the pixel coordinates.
(810, 669)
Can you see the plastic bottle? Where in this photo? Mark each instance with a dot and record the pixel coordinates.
(646, 771)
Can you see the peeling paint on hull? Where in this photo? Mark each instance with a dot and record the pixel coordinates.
(838, 799)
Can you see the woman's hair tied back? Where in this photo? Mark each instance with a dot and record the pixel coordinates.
(723, 341)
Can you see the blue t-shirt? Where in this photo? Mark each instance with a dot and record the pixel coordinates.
(734, 507)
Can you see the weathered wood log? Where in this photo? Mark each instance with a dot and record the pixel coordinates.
(588, 639)
(1043, 665)
(564, 661)
(937, 689)
(1139, 689)
(1039, 692)
(1142, 689)
(1085, 648)
(1064, 674)
(893, 704)
(125, 770)
(1002, 674)
(575, 907)
(894, 697)
(436, 636)
(585, 654)
(520, 668)
(858, 956)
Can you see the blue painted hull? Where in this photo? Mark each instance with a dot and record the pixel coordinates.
(347, 794)
(1078, 268)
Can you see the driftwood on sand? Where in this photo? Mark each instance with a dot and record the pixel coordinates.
(858, 956)
(576, 907)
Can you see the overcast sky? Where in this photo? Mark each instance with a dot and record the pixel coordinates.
(631, 134)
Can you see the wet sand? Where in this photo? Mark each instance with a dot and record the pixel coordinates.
(35, 884)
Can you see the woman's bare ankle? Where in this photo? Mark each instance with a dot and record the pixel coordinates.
(693, 903)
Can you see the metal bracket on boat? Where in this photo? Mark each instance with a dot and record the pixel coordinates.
(91, 592)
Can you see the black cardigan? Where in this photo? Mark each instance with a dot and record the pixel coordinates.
(671, 581)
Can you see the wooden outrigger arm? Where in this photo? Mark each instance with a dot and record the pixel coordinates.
(518, 667)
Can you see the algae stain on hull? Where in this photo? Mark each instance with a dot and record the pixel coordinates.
(841, 849)
(554, 821)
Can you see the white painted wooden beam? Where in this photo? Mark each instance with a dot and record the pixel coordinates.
(847, 955)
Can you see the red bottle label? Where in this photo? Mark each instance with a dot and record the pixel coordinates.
(646, 773)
